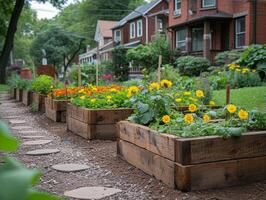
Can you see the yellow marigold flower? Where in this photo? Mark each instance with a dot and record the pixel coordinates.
(178, 100)
(114, 90)
(199, 93)
(93, 100)
(81, 91)
(212, 103)
(245, 70)
(153, 86)
(187, 93)
(231, 108)
(82, 97)
(52, 87)
(188, 118)
(242, 114)
(166, 83)
(206, 118)
(254, 70)
(133, 89)
(192, 108)
(177, 94)
(129, 95)
(94, 89)
(108, 97)
(166, 119)
(193, 99)
(238, 70)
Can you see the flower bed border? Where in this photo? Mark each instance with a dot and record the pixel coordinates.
(56, 109)
(39, 101)
(95, 123)
(19, 94)
(194, 163)
(27, 97)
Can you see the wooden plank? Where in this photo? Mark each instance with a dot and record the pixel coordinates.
(78, 127)
(220, 174)
(18, 94)
(59, 105)
(51, 114)
(161, 144)
(108, 116)
(152, 164)
(214, 148)
(102, 131)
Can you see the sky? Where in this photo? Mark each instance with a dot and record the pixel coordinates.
(47, 10)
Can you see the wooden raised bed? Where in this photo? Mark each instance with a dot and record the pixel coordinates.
(39, 101)
(19, 94)
(56, 109)
(13, 93)
(194, 163)
(95, 124)
(27, 97)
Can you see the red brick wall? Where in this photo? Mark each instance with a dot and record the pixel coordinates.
(261, 22)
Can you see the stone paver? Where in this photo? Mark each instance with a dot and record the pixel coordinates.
(92, 192)
(11, 117)
(71, 167)
(37, 142)
(40, 152)
(14, 121)
(21, 127)
(29, 132)
(32, 137)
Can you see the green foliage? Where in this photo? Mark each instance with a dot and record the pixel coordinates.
(253, 55)
(120, 65)
(257, 120)
(167, 72)
(227, 57)
(239, 80)
(42, 84)
(13, 80)
(7, 141)
(24, 84)
(88, 74)
(147, 56)
(191, 65)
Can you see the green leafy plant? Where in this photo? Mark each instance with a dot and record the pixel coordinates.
(191, 65)
(13, 80)
(42, 84)
(227, 57)
(17, 181)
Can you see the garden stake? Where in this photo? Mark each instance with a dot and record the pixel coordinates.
(159, 69)
(228, 94)
(79, 75)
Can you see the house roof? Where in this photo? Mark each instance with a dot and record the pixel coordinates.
(216, 16)
(104, 28)
(139, 11)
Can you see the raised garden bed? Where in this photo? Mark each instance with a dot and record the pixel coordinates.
(27, 97)
(19, 94)
(13, 93)
(194, 163)
(38, 100)
(95, 124)
(56, 109)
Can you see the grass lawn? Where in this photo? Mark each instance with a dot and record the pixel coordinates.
(249, 98)
(4, 88)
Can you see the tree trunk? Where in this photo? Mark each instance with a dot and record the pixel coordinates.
(9, 41)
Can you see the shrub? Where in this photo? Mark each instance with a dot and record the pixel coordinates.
(227, 57)
(42, 84)
(119, 67)
(252, 56)
(191, 65)
(168, 72)
(239, 80)
(13, 80)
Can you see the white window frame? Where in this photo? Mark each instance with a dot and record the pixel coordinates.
(132, 31)
(239, 33)
(177, 11)
(117, 39)
(139, 28)
(178, 42)
(204, 5)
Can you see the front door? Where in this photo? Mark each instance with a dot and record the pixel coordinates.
(225, 36)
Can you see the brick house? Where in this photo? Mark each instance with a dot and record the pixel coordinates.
(141, 26)
(104, 38)
(207, 27)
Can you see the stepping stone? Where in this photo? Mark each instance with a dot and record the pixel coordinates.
(21, 127)
(10, 117)
(32, 137)
(37, 142)
(29, 132)
(40, 152)
(91, 192)
(14, 121)
(70, 167)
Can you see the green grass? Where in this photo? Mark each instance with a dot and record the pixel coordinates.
(249, 98)
(4, 88)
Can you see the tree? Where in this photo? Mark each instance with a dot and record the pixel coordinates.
(120, 64)
(61, 47)
(11, 30)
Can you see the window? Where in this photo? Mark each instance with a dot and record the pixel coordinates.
(177, 7)
(197, 39)
(160, 27)
(132, 30)
(139, 28)
(240, 32)
(117, 35)
(208, 3)
(181, 39)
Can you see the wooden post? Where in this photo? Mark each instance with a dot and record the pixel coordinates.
(97, 67)
(228, 95)
(159, 69)
(79, 75)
